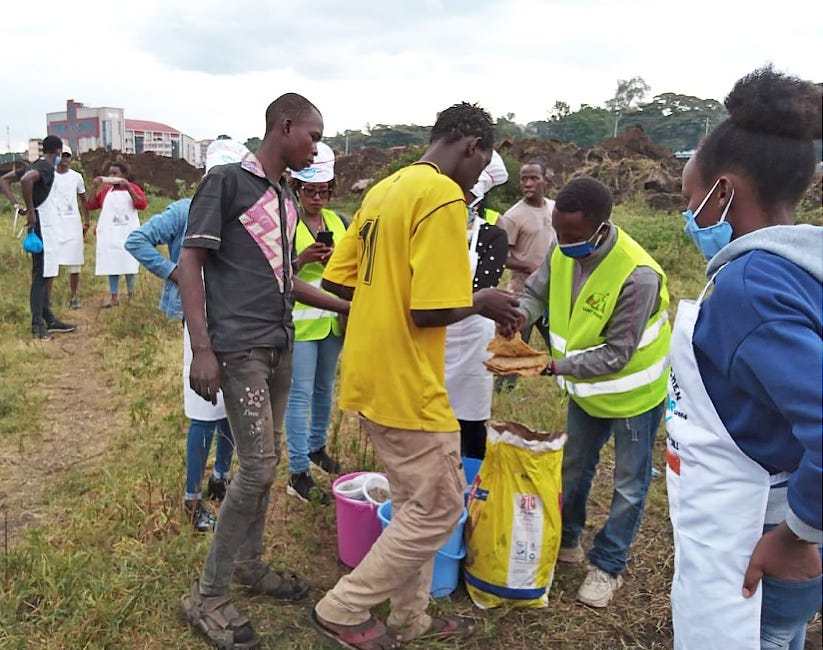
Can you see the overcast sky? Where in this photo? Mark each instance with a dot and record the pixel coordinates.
(211, 66)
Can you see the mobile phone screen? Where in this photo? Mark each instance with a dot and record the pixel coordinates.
(325, 237)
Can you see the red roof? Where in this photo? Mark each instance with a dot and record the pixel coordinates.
(147, 125)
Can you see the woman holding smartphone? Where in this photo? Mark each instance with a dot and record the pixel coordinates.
(318, 336)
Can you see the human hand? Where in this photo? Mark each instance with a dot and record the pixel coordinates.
(98, 180)
(510, 329)
(343, 319)
(123, 182)
(85, 228)
(315, 252)
(204, 377)
(498, 305)
(780, 554)
(174, 276)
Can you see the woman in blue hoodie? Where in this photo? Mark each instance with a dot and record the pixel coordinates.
(745, 398)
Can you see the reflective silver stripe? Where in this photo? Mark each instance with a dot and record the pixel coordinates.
(571, 353)
(558, 342)
(653, 330)
(310, 313)
(649, 336)
(621, 384)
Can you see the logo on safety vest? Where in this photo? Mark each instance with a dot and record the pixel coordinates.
(596, 304)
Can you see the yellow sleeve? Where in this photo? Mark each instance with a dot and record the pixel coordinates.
(342, 265)
(439, 255)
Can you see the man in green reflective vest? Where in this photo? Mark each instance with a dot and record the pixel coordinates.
(609, 333)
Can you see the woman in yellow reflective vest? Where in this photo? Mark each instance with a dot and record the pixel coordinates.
(317, 333)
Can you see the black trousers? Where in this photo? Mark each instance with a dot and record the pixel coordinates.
(41, 314)
(473, 438)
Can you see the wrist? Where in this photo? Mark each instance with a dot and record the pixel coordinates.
(201, 347)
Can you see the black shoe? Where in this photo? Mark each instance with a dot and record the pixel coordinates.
(200, 516)
(41, 333)
(325, 462)
(216, 489)
(302, 486)
(60, 326)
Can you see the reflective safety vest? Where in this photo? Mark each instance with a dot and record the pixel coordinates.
(311, 323)
(491, 216)
(641, 384)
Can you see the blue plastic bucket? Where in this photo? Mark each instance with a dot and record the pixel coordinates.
(446, 562)
(471, 466)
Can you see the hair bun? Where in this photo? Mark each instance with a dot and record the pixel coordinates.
(773, 103)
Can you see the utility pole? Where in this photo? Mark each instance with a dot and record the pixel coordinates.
(707, 126)
(616, 122)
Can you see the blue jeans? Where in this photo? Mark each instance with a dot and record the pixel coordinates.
(309, 410)
(198, 444)
(633, 442)
(114, 283)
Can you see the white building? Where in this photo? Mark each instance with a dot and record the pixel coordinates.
(35, 149)
(84, 128)
(162, 139)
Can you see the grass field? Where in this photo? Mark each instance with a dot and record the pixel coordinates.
(94, 549)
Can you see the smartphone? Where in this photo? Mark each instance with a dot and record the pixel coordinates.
(326, 237)
(113, 180)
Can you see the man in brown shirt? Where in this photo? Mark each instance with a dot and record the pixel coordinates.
(528, 224)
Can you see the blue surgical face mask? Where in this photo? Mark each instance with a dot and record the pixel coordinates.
(57, 159)
(711, 239)
(585, 248)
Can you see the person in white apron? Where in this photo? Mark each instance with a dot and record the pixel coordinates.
(71, 222)
(469, 384)
(39, 176)
(744, 420)
(118, 204)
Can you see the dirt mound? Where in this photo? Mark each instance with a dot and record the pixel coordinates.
(630, 164)
(146, 169)
(360, 165)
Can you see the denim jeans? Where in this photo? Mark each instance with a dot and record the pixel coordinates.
(786, 609)
(633, 442)
(255, 387)
(41, 314)
(114, 283)
(309, 410)
(198, 444)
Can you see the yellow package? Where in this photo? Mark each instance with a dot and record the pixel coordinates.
(513, 528)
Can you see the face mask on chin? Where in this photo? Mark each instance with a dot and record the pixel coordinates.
(584, 248)
(711, 239)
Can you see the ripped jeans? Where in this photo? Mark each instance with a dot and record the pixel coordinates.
(633, 443)
(255, 387)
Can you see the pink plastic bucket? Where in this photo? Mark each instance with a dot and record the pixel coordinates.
(357, 525)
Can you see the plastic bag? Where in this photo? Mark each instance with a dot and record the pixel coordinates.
(514, 524)
(32, 243)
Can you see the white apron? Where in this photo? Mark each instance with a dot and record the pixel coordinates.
(118, 219)
(69, 222)
(49, 233)
(194, 406)
(717, 505)
(468, 382)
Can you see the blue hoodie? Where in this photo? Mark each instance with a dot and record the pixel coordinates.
(759, 347)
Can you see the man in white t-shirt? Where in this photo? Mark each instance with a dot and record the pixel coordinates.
(71, 224)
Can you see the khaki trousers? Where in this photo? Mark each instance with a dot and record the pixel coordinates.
(427, 482)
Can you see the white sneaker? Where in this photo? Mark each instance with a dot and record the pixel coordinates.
(571, 554)
(598, 588)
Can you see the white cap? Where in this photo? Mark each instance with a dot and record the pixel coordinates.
(321, 170)
(66, 150)
(224, 152)
(493, 175)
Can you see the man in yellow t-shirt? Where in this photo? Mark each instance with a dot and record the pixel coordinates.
(404, 260)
